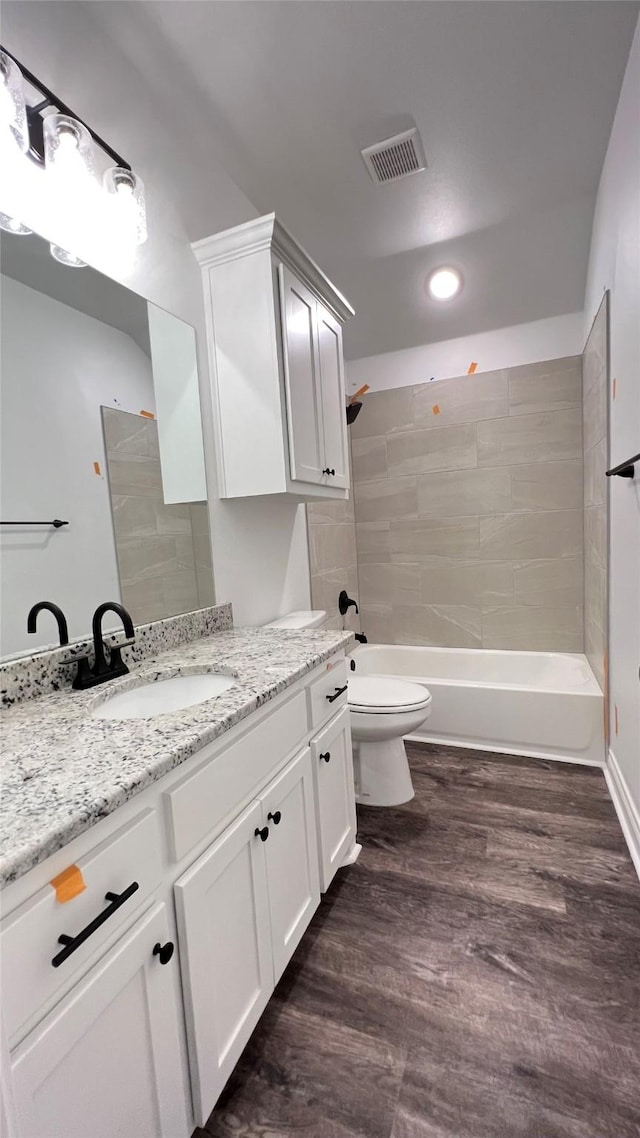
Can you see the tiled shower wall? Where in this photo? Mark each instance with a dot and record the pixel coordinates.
(595, 399)
(163, 551)
(469, 510)
(332, 555)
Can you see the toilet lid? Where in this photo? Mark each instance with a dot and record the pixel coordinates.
(379, 694)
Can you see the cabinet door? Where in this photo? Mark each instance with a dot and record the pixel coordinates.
(332, 759)
(334, 418)
(292, 857)
(107, 1060)
(222, 908)
(302, 379)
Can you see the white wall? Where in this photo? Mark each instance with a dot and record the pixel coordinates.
(531, 343)
(103, 64)
(614, 263)
(58, 367)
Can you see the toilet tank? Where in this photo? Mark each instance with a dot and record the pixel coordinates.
(303, 618)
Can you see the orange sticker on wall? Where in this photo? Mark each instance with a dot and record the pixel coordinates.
(472, 367)
(615, 384)
(615, 717)
(96, 468)
(435, 409)
(147, 414)
(68, 884)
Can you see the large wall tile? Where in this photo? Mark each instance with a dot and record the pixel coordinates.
(533, 389)
(595, 478)
(415, 452)
(557, 582)
(459, 493)
(386, 499)
(547, 628)
(547, 437)
(372, 542)
(544, 535)
(134, 474)
(594, 416)
(325, 588)
(369, 458)
(389, 584)
(332, 547)
(471, 583)
(376, 622)
(446, 626)
(465, 399)
(595, 536)
(426, 539)
(384, 412)
(328, 512)
(547, 486)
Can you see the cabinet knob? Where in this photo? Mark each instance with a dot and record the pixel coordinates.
(329, 471)
(263, 833)
(164, 951)
(326, 756)
(275, 818)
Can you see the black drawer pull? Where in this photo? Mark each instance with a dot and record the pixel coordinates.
(336, 693)
(275, 818)
(163, 951)
(326, 756)
(263, 833)
(71, 943)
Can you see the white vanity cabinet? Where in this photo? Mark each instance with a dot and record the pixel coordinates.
(107, 1061)
(137, 1030)
(274, 331)
(242, 909)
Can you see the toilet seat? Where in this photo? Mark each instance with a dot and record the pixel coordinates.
(377, 695)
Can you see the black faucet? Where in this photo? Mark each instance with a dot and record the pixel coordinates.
(345, 603)
(88, 677)
(63, 629)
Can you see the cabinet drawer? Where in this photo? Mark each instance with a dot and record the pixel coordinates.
(204, 800)
(29, 937)
(321, 706)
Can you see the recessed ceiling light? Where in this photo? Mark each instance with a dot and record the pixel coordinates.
(443, 284)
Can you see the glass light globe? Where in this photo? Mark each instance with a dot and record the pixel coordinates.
(443, 284)
(66, 258)
(125, 192)
(13, 111)
(10, 225)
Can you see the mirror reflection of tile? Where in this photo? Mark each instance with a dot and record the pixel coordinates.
(163, 551)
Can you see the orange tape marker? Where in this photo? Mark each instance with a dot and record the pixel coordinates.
(472, 367)
(435, 409)
(615, 716)
(96, 467)
(147, 414)
(68, 884)
(615, 384)
(361, 391)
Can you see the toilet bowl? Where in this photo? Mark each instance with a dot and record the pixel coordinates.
(382, 712)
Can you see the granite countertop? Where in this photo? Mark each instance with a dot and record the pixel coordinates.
(64, 770)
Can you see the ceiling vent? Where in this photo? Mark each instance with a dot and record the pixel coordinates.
(396, 157)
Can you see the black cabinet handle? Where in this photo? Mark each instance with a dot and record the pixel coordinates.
(328, 471)
(336, 693)
(326, 756)
(163, 951)
(275, 818)
(71, 943)
(263, 833)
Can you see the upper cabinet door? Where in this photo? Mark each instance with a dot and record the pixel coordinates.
(302, 379)
(107, 1060)
(222, 906)
(334, 417)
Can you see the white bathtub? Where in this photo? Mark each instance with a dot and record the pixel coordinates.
(544, 704)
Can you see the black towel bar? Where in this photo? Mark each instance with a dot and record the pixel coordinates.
(624, 469)
(56, 523)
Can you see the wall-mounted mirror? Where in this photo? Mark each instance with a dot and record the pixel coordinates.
(100, 428)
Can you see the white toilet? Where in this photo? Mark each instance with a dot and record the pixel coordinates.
(384, 710)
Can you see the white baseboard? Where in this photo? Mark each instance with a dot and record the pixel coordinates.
(626, 809)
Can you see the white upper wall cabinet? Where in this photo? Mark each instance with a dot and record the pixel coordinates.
(274, 331)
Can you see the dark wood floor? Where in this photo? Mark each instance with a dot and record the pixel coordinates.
(475, 975)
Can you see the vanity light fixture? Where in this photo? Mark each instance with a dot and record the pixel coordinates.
(49, 159)
(444, 283)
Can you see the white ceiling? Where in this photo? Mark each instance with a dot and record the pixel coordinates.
(514, 102)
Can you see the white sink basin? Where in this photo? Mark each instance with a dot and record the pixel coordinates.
(162, 696)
